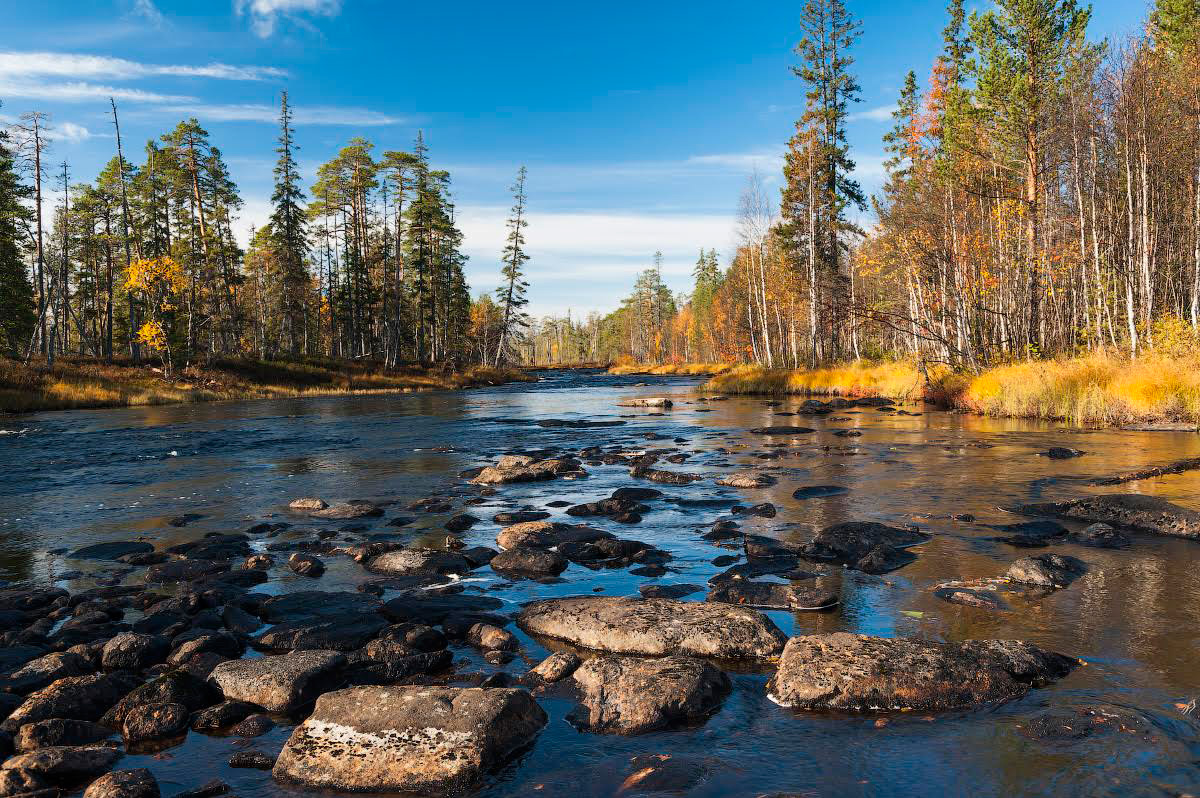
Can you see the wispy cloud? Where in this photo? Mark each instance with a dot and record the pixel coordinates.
(882, 113)
(80, 91)
(149, 12)
(311, 115)
(265, 14)
(69, 131)
(741, 161)
(74, 65)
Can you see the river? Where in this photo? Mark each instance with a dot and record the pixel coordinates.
(74, 478)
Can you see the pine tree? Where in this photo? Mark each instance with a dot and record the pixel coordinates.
(1175, 24)
(511, 293)
(900, 142)
(290, 233)
(18, 315)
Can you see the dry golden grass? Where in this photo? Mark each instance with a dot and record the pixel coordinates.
(1095, 390)
(85, 383)
(671, 369)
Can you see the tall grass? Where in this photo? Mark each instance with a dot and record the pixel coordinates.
(85, 383)
(1099, 389)
(669, 369)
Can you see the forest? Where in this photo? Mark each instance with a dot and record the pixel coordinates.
(1042, 199)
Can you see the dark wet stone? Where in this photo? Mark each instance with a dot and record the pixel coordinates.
(864, 546)
(1063, 726)
(27, 599)
(460, 523)
(478, 556)
(252, 759)
(1031, 534)
(632, 695)
(254, 726)
(520, 516)
(112, 550)
(348, 511)
(970, 597)
(154, 722)
(306, 565)
(59, 731)
(223, 715)
(1125, 511)
(524, 560)
(174, 687)
(819, 491)
(134, 652)
(764, 510)
(663, 476)
(636, 494)
(782, 430)
(848, 433)
(432, 609)
(774, 595)
(413, 739)
(182, 571)
(69, 764)
(654, 627)
(858, 673)
(311, 604)
(45, 670)
(1046, 570)
(209, 789)
(199, 641)
(334, 634)
(1062, 453)
(214, 546)
(238, 620)
(75, 697)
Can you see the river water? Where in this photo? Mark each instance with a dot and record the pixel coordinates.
(74, 478)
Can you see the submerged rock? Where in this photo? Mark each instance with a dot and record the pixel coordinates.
(858, 673)
(970, 597)
(408, 739)
(1031, 534)
(819, 491)
(782, 430)
(111, 550)
(1100, 536)
(521, 469)
(747, 480)
(631, 695)
(1125, 510)
(864, 546)
(348, 511)
(654, 627)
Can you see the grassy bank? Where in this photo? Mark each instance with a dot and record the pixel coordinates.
(85, 383)
(1096, 390)
(671, 369)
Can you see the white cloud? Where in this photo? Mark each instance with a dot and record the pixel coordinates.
(78, 91)
(147, 11)
(311, 115)
(265, 14)
(881, 114)
(74, 65)
(69, 131)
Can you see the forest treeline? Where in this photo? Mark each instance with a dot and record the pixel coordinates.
(1042, 198)
(142, 262)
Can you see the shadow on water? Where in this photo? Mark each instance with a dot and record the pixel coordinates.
(81, 477)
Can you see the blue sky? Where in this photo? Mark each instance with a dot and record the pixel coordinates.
(640, 123)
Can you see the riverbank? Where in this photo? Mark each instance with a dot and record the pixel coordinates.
(76, 383)
(1097, 390)
(671, 369)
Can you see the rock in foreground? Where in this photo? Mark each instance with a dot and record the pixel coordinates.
(408, 739)
(858, 673)
(277, 684)
(629, 695)
(655, 627)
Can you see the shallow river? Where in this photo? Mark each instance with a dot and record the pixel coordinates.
(68, 479)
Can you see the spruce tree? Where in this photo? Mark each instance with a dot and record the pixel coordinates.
(511, 293)
(18, 316)
(289, 232)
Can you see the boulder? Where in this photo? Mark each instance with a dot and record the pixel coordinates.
(654, 627)
(223, 715)
(65, 763)
(675, 591)
(631, 695)
(491, 638)
(152, 722)
(310, 604)
(182, 571)
(520, 516)
(546, 535)
(650, 401)
(747, 480)
(403, 561)
(774, 595)
(663, 476)
(280, 683)
(1046, 570)
(1125, 511)
(307, 504)
(348, 511)
(134, 652)
(1100, 536)
(306, 565)
(253, 726)
(45, 670)
(59, 732)
(819, 491)
(1031, 534)
(250, 758)
(528, 561)
(535, 471)
(863, 546)
(137, 783)
(427, 608)
(173, 687)
(408, 739)
(554, 668)
(322, 634)
(1062, 453)
(75, 697)
(857, 673)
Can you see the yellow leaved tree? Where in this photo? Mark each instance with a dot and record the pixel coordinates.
(157, 282)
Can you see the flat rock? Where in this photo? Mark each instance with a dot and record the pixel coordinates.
(1100, 536)
(1046, 570)
(280, 683)
(65, 763)
(434, 609)
(133, 651)
(1125, 511)
(311, 604)
(650, 401)
(747, 480)
(59, 732)
(819, 491)
(863, 546)
(546, 535)
(173, 687)
(675, 591)
(332, 634)
(74, 697)
(654, 627)
(858, 673)
(404, 561)
(44, 671)
(408, 739)
(631, 695)
(526, 560)
(111, 550)
(348, 511)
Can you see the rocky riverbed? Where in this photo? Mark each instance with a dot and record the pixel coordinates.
(597, 586)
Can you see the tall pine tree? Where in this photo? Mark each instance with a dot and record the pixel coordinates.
(289, 233)
(511, 293)
(17, 308)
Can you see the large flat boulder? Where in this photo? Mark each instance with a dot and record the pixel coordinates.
(406, 561)
(517, 470)
(311, 604)
(632, 695)
(1125, 510)
(434, 609)
(864, 546)
(857, 673)
(281, 683)
(655, 627)
(408, 739)
(546, 535)
(331, 634)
